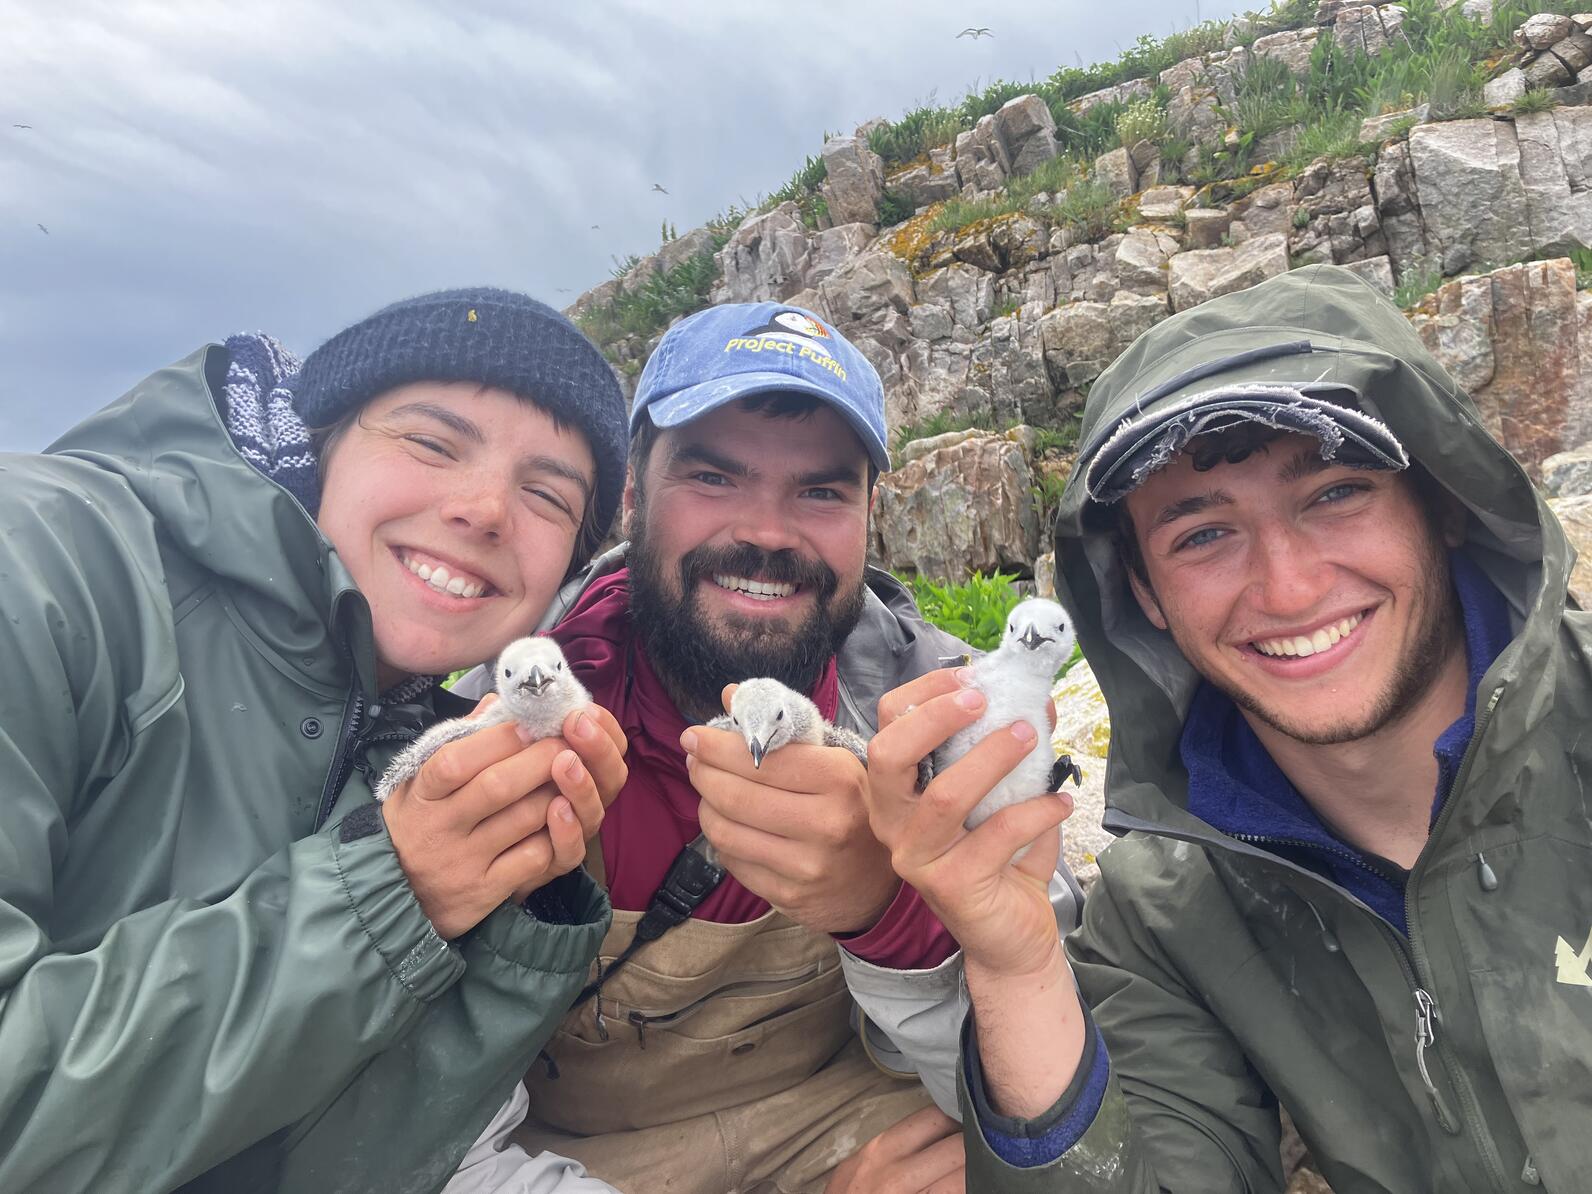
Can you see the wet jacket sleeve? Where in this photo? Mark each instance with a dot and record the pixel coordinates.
(1180, 1110)
(438, 1086)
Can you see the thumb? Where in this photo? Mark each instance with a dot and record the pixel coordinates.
(482, 706)
(728, 695)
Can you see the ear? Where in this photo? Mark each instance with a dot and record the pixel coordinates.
(1145, 596)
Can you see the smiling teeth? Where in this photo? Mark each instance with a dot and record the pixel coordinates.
(1302, 645)
(763, 590)
(440, 579)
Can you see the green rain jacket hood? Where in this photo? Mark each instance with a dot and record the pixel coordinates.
(213, 973)
(1224, 978)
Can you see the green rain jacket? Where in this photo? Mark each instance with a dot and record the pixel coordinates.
(1224, 979)
(212, 976)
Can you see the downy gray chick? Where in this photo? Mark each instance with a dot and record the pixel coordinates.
(1016, 679)
(535, 688)
(768, 715)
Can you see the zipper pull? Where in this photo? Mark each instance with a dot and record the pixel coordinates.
(639, 1022)
(597, 1011)
(1427, 1018)
(1486, 878)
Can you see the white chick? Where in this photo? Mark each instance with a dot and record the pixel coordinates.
(769, 715)
(1016, 679)
(535, 688)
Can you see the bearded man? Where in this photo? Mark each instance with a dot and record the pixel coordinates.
(721, 1054)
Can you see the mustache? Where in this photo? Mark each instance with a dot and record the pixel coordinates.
(785, 566)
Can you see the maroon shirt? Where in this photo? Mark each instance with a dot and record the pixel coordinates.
(655, 813)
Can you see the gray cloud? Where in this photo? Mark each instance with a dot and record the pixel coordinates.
(204, 169)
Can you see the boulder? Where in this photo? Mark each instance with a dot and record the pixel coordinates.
(1504, 90)
(1398, 209)
(1556, 171)
(1568, 474)
(1291, 47)
(1367, 28)
(683, 248)
(1473, 204)
(981, 161)
(767, 257)
(833, 247)
(1028, 131)
(1116, 170)
(1547, 70)
(1335, 218)
(1519, 340)
(1119, 93)
(967, 292)
(1378, 271)
(1141, 260)
(1199, 275)
(1541, 31)
(1205, 226)
(1162, 204)
(855, 181)
(1376, 129)
(926, 182)
(1575, 515)
(958, 509)
(866, 284)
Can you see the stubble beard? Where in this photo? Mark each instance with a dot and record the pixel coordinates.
(1417, 672)
(695, 658)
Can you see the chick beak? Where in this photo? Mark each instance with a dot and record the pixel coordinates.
(759, 752)
(536, 681)
(1032, 638)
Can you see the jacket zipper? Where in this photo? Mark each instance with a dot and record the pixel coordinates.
(342, 757)
(1428, 1016)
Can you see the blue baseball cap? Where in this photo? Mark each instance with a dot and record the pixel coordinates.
(728, 352)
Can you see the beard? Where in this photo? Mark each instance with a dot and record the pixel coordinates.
(696, 657)
(1441, 633)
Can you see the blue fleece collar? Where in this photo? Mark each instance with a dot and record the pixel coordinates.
(1235, 786)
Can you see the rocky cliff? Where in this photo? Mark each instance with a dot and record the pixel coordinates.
(991, 276)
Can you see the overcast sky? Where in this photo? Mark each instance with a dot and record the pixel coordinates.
(290, 166)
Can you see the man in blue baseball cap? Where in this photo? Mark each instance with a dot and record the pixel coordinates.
(714, 1047)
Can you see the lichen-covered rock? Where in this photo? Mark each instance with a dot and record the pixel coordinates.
(1263, 212)
(1376, 129)
(855, 181)
(961, 508)
(1398, 208)
(1119, 93)
(1568, 473)
(1519, 340)
(1335, 218)
(1378, 271)
(1081, 339)
(926, 182)
(1367, 28)
(967, 292)
(1199, 275)
(767, 257)
(1028, 131)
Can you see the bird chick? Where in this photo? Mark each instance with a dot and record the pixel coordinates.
(1016, 679)
(535, 687)
(769, 715)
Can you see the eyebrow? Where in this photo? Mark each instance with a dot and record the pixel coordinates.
(444, 416)
(693, 453)
(1307, 462)
(1197, 504)
(462, 425)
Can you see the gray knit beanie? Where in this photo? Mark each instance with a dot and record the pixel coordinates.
(499, 338)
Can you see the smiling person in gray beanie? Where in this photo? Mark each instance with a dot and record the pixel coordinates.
(231, 592)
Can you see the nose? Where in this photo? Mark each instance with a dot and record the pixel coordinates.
(477, 505)
(1290, 575)
(764, 520)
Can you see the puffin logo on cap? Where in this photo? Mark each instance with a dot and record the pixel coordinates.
(791, 332)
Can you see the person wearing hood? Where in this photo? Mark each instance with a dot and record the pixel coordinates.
(1350, 704)
(231, 594)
